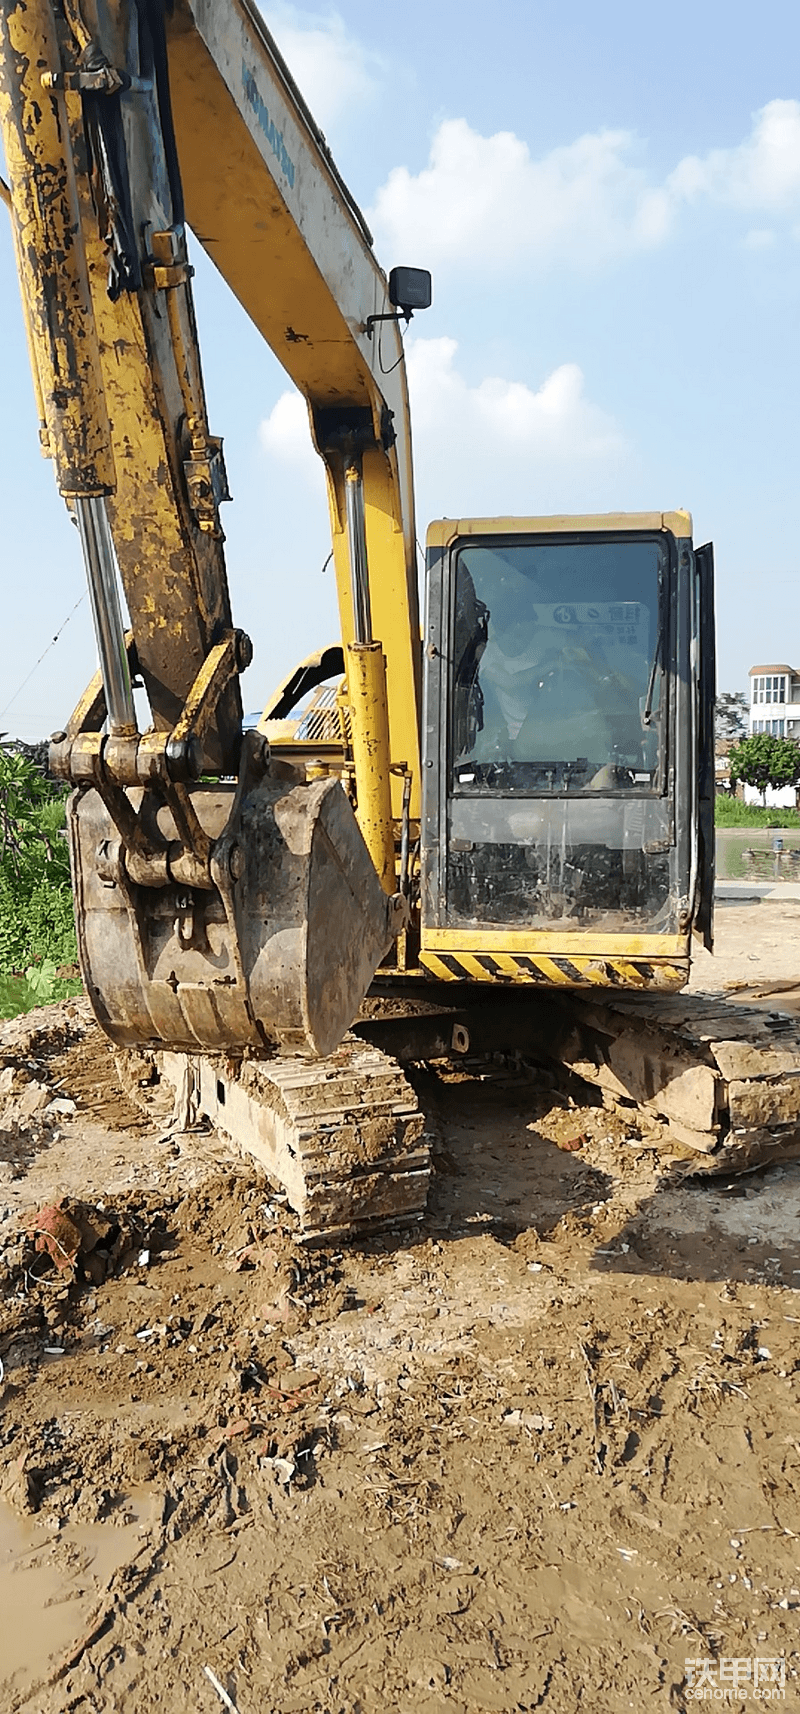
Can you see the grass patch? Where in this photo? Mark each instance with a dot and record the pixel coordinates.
(38, 987)
(37, 929)
(731, 812)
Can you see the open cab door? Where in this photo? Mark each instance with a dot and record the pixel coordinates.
(706, 782)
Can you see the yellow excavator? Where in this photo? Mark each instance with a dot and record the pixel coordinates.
(515, 806)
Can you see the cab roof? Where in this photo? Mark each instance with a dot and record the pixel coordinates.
(445, 530)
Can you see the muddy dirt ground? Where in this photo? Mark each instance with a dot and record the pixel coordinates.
(537, 1452)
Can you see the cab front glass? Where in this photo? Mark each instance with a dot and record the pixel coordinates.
(557, 666)
(557, 732)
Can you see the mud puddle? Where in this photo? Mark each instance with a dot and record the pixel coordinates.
(51, 1575)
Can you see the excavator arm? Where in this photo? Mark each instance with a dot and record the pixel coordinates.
(205, 910)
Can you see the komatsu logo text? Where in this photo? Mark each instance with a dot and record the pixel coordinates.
(273, 135)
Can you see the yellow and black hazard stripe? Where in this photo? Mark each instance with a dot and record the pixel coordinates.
(550, 970)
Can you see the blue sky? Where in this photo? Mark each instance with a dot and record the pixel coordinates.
(609, 201)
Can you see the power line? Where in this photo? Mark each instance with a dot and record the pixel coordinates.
(37, 664)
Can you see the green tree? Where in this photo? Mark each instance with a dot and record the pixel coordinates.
(764, 761)
(37, 931)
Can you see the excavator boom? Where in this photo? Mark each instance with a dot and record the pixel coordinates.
(268, 205)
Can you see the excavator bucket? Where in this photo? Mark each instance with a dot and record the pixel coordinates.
(276, 951)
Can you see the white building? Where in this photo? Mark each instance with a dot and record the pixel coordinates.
(774, 708)
(775, 701)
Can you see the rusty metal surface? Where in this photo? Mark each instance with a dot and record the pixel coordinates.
(50, 254)
(100, 245)
(280, 949)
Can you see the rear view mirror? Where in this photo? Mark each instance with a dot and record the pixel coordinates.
(410, 289)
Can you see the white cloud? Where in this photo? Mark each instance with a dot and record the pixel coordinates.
(488, 199)
(285, 436)
(762, 172)
(509, 411)
(485, 202)
(301, 612)
(502, 447)
(332, 69)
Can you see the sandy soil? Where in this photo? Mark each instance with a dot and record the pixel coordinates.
(757, 947)
(538, 1452)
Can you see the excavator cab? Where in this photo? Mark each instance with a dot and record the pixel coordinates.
(566, 837)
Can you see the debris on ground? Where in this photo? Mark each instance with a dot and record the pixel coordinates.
(540, 1452)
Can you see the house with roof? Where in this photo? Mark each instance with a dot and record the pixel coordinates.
(775, 701)
(774, 708)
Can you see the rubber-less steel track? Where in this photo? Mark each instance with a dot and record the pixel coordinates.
(722, 1075)
(344, 1136)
